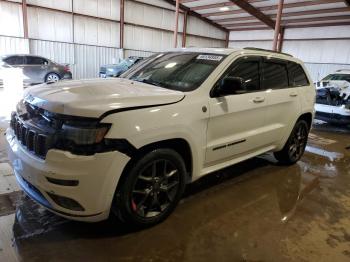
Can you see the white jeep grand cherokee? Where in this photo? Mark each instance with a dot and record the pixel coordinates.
(128, 146)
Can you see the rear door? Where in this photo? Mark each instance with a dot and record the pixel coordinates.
(236, 124)
(35, 69)
(283, 99)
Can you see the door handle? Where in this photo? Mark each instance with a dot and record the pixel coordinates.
(259, 99)
(293, 94)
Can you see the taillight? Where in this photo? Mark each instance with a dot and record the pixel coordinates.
(66, 69)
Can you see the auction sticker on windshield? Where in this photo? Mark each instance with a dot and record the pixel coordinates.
(210, 57)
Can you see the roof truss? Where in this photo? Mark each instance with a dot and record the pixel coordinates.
(259, 14)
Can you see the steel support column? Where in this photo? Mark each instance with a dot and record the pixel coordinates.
(184, 29)
(176, 22)
(280, 39)
(277, 25)
(227, 41)
(25, 18)
(121, 43)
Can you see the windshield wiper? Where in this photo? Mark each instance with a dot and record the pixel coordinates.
(147, 81)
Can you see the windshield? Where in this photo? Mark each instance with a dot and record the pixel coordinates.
(126, 62)
(341, 77)
(176, 70)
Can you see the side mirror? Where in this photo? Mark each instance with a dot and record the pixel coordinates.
(230, 86)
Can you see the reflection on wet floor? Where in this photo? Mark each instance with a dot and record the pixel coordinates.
(253, 211)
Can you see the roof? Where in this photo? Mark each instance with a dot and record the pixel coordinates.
(228, 51)
(342, 71)
(242, 15)
(222, 51)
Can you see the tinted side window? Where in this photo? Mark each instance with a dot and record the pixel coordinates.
(297, 75)
(275, 75)
(14, 60)
(249, 73)
(32, 60)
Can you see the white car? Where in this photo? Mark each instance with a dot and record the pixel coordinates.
(128, 146)
(333, 98)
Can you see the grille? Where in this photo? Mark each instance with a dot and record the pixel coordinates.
(103, 70)
(34, 140)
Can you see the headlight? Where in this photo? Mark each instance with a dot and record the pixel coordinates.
(85, 135)
(21, 108)
(110, 69)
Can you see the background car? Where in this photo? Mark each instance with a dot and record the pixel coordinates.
(36, 69)
(115, 70)
(333, 98)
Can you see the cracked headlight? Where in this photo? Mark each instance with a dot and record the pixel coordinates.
(85, 135)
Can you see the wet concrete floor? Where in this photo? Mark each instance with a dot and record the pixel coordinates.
(253, 211)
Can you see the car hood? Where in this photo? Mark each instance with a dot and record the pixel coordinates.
(95, 97)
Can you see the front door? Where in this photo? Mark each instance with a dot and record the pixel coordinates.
(236, 124)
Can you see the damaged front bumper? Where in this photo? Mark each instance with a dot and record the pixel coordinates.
(333, 114)
(73, 186)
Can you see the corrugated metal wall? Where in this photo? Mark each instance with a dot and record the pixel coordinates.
(90, 37)
(198, 27)
(84, 60)
(13, 45)
(11, 22)
(323, 49)
(319, 71)
(84, 44)
(88, 59)
(139, 17)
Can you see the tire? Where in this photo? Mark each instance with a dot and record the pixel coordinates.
(294, 148)
(151, 189)
(52, 77)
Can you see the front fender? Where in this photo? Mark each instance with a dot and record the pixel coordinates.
(149, 125)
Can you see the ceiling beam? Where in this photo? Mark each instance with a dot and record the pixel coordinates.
(319, 25)
(291, 14)
(317, 19)
(203, 7)
(296, 21)
(188, 1)
(250, 28)
(290, 26)
(274, 7)
(190, 12)
(254, 12)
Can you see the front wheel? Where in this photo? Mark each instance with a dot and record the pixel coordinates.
(294, 148)
(151, 188)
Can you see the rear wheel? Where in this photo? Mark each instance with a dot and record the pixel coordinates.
(52, 77)
(151, 189)
(294, 149)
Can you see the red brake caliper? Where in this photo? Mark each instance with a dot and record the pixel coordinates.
(133, 205)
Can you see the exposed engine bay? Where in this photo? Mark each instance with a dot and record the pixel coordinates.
(333, 93)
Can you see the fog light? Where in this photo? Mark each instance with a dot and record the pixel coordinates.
(66, 202)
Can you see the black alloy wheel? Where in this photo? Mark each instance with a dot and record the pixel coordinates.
(295, 146)
(155, 188)
(298, 142)
(151, 187)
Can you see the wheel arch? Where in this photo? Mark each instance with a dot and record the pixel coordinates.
(180, 145)
(306, 117)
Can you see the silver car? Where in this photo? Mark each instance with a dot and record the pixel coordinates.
(36, 69)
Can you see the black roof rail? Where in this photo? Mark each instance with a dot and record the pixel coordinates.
(266, 50)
